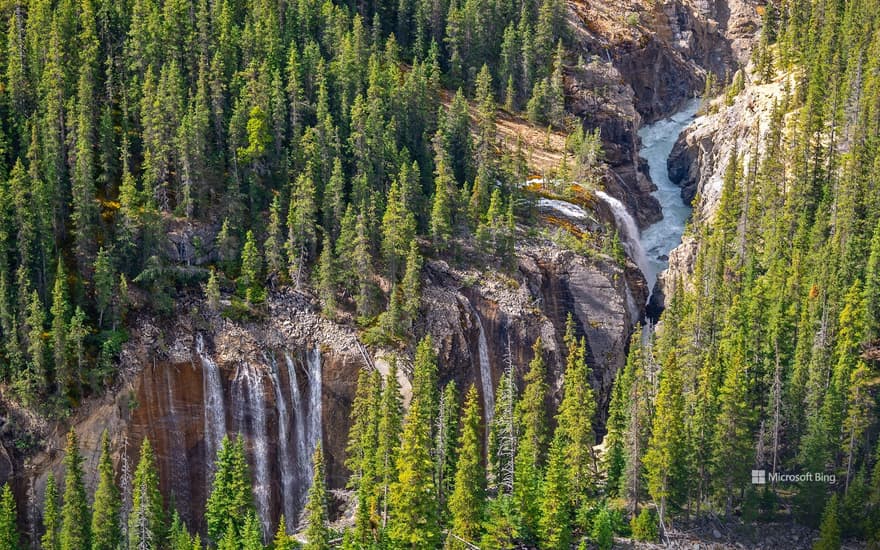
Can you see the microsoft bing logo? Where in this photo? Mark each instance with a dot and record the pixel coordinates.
(759, 477)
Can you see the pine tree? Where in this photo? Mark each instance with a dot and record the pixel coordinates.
(575, 418)
(415, 515)
(251, 269)
(106, 533)
(75, 516)
(8, 519)
(146, 522)
(467, 499)
(829, 532)
(317, 534)
(282, 540)
(327, 278)
(231, 499)
(554, 525)
(251, 533)
(441, 210)
(60, 312)
(390, 424)
(51, 522)
(398, 230)
(445, 443)
(528, 461)
(665, 456)
(105, 283)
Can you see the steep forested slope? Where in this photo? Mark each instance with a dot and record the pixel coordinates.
(766, 352)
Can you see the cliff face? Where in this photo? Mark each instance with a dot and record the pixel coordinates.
(701, 155)
(286, 381)
(642, 61)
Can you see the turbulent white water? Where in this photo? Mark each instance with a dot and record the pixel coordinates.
(659, 239)
(567, 209)
(285, 457)
(299, 433)
(215, 410)
(629, 231)
(249, 413)
(313, 424)
(485, 375)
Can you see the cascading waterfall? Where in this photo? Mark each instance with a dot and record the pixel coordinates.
(301, 461)
(248, 402)
(485, 370)
(285, 454)
(630, 233)
(315, 409)
(215, 409)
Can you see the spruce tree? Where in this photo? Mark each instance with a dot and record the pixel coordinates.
(829, 531)
(554, 525)
(106, 533)
(231, 498)
(51, 539)
(317, 533)
(575, 418)
(146, 522)
(75, 516)
(467, 499)
(8, 519)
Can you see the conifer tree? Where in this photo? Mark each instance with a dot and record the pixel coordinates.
(575, 418)
(414, 520)
(231, 499)
(829, 531)
(282, 540)
(665, 456)
(317, 534)
(554, 525)
(528, 461)
(106, 533)
(251, 533)
(446, 441)
(146, 523)
(60, 312)
(251, 269)
(8, 519)
(467, 499)
(51, 521)
(75, 516)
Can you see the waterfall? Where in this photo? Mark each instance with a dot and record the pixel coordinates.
(285, 453)
(248, 402)
(485, 372)
(301, 461)
(629, 232)
(215, 410)
(315, 406)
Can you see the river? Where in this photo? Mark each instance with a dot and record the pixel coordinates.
(659, 239)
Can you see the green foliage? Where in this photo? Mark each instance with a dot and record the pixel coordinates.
(317, 534)
(51, 521)
(9, 537)
(603, 530)
(829, 531)
(146, 521)
(467, 500)
(644, 526)
(231, 499)
(75, 514)
(106, 532)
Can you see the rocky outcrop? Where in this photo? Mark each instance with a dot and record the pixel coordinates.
(701, 155)
(187, 380)
(640, 62)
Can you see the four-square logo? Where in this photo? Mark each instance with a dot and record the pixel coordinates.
(759, 477)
